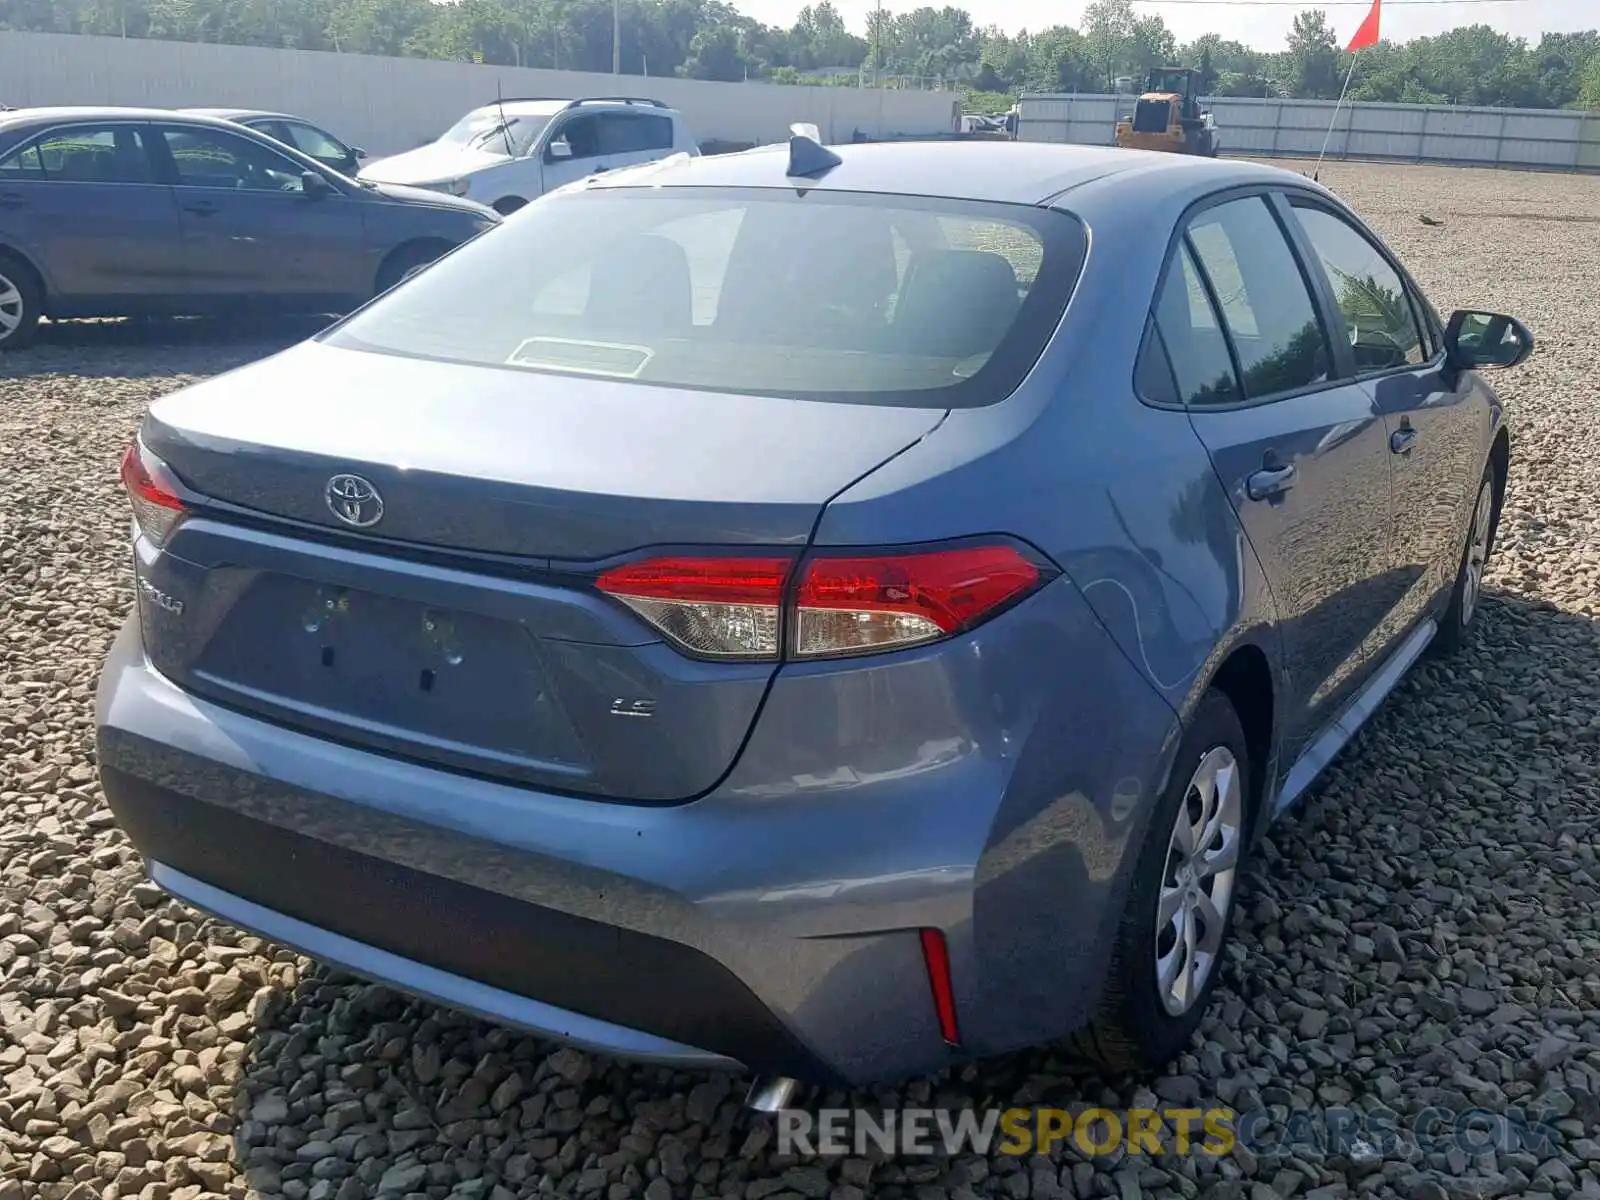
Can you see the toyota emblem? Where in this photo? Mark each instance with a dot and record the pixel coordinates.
(354, 501)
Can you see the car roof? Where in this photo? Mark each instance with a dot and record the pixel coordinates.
(234, 114)
(58, 114)
(550, 106)
(1007, 172)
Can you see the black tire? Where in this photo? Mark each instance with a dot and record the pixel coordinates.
(507, 205)
(406, 262)
(1135, 1031)
(1466, 598)
(21, 301)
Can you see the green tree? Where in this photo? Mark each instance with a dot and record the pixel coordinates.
(1312, 60)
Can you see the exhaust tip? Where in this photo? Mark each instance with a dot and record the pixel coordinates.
(771, 1094)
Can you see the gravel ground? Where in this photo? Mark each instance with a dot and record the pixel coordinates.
(1423, 934)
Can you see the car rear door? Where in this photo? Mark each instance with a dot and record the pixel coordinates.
(249, 228)
(82, 199)
(1301, 451)
(1437, 435)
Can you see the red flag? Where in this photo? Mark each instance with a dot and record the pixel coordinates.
(1367, 35)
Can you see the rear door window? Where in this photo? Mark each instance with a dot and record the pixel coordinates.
(1266, 305)
(94, 154)
(632, 133)
(835, 296)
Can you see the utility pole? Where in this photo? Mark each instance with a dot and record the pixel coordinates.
(616, 37)
(877, 47)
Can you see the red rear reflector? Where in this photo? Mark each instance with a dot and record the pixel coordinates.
(715, 607)
(879, 602)
(156, 505)
(937, 957)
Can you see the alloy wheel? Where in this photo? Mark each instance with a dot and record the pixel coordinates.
(1197, 880)
(1477, 551)
(11, 307)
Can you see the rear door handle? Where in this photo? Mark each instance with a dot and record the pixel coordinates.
(1269, 482)
(1401, 440)
(11, 200)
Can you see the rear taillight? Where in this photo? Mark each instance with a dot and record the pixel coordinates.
(714, 607)
(879, 602)
(840, 605)
(152, 491)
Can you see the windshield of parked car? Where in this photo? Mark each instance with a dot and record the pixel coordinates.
(818, 295)
(484, 130)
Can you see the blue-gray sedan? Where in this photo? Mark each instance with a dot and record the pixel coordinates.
(110, 212)
(836, 612)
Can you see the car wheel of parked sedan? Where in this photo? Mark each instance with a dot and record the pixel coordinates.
(1169, 947)
(21, 303)
(1467, 597)
(405, 262)
(507, 205)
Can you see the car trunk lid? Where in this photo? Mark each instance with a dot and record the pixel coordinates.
(460, 627)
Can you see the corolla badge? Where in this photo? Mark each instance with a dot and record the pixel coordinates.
(354, 501)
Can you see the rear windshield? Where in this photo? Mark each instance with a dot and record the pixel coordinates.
(817, 295)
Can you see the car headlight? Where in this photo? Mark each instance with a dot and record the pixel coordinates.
(456, 187)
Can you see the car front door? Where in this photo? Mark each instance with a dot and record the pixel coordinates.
(1301, 451)
(1437, 436)
(251, 231)
(585, 150)
(84, 202)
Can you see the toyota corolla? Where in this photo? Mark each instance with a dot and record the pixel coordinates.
(832, 612)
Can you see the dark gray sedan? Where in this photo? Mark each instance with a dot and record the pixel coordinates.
(305, 137)
(110, 212)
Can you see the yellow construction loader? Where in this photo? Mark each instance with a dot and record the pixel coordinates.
(1168, 116)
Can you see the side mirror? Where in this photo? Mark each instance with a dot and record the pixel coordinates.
(1478, 341)
(313, 186)
(356, 152)
(560, 148)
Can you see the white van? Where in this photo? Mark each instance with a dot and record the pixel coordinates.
(517, 149)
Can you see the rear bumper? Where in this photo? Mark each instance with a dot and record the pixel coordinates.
(458, 991)
(772, 924)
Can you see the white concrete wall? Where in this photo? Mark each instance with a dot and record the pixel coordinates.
(1508, 137)
(386, 105)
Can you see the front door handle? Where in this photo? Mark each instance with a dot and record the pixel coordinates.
(1402, 439)
(11, 200)
(201, 208)
(1269, 482)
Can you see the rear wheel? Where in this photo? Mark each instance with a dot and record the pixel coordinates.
(1170, 945)
(21, 302)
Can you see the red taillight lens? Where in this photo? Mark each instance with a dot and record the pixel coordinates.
(734, 607)
(715, 607)
(878, 602)
(151, 490)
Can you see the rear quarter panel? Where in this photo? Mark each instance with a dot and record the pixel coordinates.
(1122, 495)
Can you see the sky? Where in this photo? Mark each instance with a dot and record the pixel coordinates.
(1264, 26)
